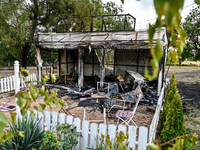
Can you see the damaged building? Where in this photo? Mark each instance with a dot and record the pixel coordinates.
(78, 48)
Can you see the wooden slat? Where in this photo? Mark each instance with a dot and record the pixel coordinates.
(2, 90)
(11, 83)
(41, 124)
(8, 83)
(142, 141)
(93, 135)
(36, 113)
(5, 86)
(54, 119)
(85, 130)
(77, 124)
(132, 131)
(122, 128)
(48, 119)
(62, 121)
(13, 78)
(112, 131)
(70, 119)
(102, 130)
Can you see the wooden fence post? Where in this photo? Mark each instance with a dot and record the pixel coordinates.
(17, 86)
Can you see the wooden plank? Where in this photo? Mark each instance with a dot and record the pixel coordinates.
(48, 119)
(112, 131)
(2, 90)
(62, 121)
(103, 131)
(132, 131)
(5, 85)
(93, 135)
(13, 77)
(77, 124)
(11, 83)
(85, 132)
(70, 119)
(8, 84)
(122, 128)
(41, 118)
(54, 119)
(142, 141)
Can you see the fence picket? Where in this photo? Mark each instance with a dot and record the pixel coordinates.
(70, 119)
(11, 83)
(2, 86)
(93, 135)
(77, 124)
(85, 128)
(41, 124)
(54, 119)
(122, 128)
(8, 84)
(5, 86)
(35, 113)
(142, 141)
(132, 131)
(112, 131)
(13, 78)
(102, 130)
(48, 119)
(62, 121)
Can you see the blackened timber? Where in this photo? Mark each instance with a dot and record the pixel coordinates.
(80, 67)
(102, 66)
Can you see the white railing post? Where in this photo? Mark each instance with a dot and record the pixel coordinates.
(17, 86)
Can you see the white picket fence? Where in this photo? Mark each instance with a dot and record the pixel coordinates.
(154, 122)
(7, 84)
(93, 131)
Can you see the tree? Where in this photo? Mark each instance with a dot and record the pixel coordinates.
(20, 21)
(192, 27)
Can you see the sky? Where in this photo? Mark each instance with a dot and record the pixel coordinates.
(144, 11)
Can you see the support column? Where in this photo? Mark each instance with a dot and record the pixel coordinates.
(80, 67)
(102, 67)
(17, 86)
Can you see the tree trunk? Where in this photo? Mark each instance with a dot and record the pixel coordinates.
(25, 52)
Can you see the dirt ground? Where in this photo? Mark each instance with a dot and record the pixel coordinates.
(188, 83)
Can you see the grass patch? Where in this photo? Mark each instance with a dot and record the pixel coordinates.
(190, 118)
(172, 64)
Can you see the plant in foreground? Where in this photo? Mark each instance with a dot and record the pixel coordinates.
(53, 141)
(27, 135)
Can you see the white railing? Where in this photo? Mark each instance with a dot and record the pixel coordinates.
(93, 131)
(7, 84)
(154, 122)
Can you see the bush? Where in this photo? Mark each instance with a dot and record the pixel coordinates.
(28, 135)
(172, 89)
(53, 141)
(174, 124)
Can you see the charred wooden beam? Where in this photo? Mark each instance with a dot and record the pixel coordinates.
(102, 66)
(80, 67)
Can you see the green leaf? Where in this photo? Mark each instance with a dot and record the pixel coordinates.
(197, 2)
(13, 116)
(158, 50)
(42, 107)
(152, 146)
(35, 107)
(151, 32)
(21, 102)
(45, 79)
(53, 78)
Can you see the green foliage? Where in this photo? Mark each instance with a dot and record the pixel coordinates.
(27, 135)
(174, 124)
(172, 89)
(178, 143)
(52, 141)
(192, 27)
(119, 143)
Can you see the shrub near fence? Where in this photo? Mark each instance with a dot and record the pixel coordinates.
(90, 132)
(7, 84)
